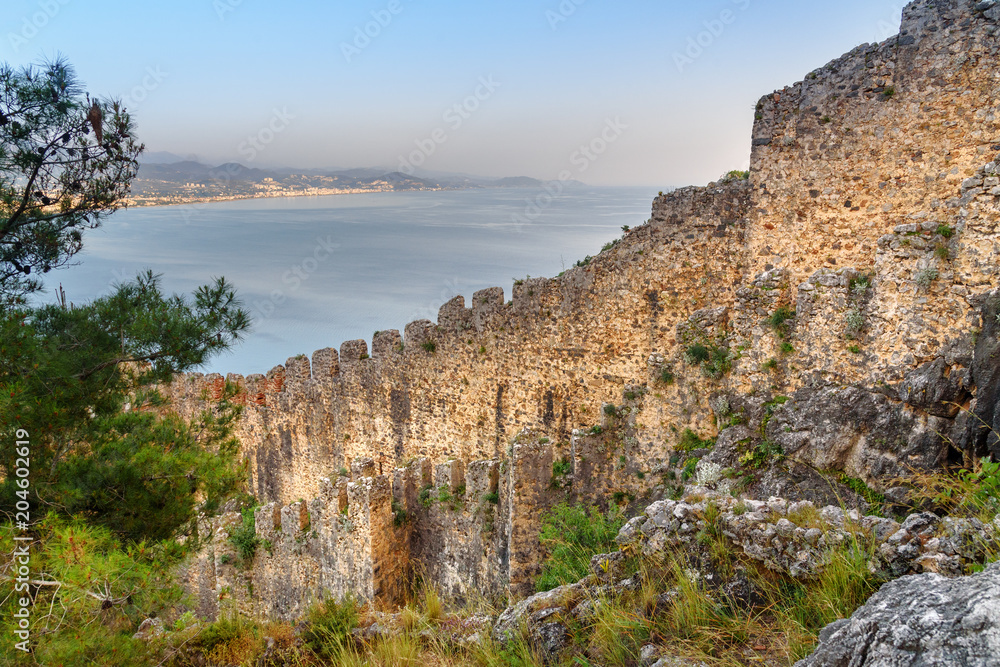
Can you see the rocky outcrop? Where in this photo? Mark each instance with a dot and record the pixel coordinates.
(919, 621)
(795, 538)
(984, 427)
(790, 538)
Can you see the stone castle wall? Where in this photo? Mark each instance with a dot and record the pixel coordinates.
(870, 215)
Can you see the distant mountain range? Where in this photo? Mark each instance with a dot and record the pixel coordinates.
(166, 178)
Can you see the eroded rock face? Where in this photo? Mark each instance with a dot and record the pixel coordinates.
(919, 621)
(985, 426)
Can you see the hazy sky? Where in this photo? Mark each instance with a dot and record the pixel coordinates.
(663, 90)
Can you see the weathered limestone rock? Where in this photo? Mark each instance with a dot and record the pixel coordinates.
(795, 538)
(984, 428)
(919, 621)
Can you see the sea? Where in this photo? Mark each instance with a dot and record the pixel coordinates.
(316, 271)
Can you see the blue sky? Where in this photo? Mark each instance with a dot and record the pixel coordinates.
(208, 77)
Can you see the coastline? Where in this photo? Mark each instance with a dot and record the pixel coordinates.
(133, 203)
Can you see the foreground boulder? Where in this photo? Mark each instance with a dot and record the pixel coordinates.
(919, 621)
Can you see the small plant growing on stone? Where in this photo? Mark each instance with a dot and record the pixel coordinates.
(561, 468)
(769, 365)
(721, 406)
(778, 321)
(444, 495)
(610, 410)
(942, 251)
(854, 349)
(859, 285)
(946, 231)
(697, 354)
(690, 441)
(425, 496)
(786, 348)
(430, 346)
(399, 515)
(707, 473)
(244, 537)
(854, 321)
(344, 472)
(762, 454)
(889, 92)
(585, 261)
(665, 376)
(925, 277)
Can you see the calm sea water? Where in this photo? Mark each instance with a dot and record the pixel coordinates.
(317, 271)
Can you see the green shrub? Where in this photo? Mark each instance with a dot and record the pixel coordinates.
(329, 626)
(562, 468)
(762, 455)
(571, 535)
(665, 376)
(399, 514)
(430, 346)
(778, 320)
(690, 441)
(946, 231)
(697, 354)
(244, 537)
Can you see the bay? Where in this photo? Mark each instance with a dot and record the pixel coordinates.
(316, 271)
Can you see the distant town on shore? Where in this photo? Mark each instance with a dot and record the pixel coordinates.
(166, 179)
